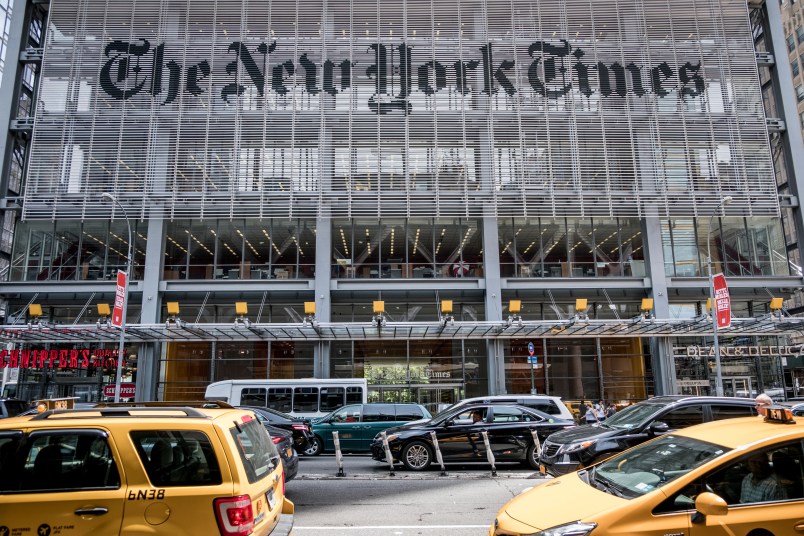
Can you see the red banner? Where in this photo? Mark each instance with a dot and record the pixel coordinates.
(722, 301)
(63, 358)
(127, 390)
(119, 299)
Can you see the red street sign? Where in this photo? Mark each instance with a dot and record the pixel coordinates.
(722, 301)
(119, 298)
(126, 390)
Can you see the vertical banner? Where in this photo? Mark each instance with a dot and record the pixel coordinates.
(119, 299)
(722, 301)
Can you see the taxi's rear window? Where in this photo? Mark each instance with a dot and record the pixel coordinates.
(257, 452)
(177, 457)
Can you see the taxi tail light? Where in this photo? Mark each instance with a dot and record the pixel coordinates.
(234, 515)
(283, 483)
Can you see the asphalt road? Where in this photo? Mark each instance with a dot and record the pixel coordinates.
(368, 500)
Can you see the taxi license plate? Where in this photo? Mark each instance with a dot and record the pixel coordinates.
(542, 470)
(271, 499)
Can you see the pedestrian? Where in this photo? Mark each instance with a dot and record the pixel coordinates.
(600, 410)
(582, 409)
(763, 403)
(591, 415)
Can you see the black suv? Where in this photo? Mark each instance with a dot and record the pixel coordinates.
(568, 450)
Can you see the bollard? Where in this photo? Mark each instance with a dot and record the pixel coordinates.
(489, 453)
(438, 453)
(338, 455)
(387, 452)
(536, 442)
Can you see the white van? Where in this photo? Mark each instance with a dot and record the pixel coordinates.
(552, 405)
(304, 397)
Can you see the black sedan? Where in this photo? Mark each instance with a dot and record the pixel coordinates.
(302, 431)
(460, 438)
(284, 444)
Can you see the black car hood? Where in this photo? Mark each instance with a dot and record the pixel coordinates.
(411, 426)
(582, 433)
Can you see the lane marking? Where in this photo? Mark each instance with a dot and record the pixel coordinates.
(391, 527)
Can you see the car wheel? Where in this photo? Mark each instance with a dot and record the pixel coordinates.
(417, 456)
(532, 458)
(315, 448)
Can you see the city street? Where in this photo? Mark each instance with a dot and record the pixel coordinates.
(368, 501)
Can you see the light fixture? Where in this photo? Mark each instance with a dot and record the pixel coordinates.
(646, 308)
(241, 309)
(309, 312)
(446, 313)
(35, 312)
(379, 313)
(776, 306)
(580, 308)
(103, 312)
(514, 308)
(173, 315)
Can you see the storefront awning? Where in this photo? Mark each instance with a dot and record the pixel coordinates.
(244, 331)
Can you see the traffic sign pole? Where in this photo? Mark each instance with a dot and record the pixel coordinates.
(532, 363)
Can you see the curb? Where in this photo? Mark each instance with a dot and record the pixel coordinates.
(457, 475)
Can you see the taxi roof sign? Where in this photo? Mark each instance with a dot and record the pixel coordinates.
(779, 414)
(55, 403)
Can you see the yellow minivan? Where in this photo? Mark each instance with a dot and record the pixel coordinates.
(735, 477)
(137, 469)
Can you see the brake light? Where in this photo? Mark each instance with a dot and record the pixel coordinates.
(300, 427)
(234, 514)
(283, 483)
(276, 440)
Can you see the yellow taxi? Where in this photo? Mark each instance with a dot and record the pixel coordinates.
(150, 468)
(735, 477)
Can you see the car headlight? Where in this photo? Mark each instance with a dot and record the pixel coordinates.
(574, 447)
(392, 437)
(570, 529)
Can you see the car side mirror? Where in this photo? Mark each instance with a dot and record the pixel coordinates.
(709, 504)
(449, 422)
(659, 428)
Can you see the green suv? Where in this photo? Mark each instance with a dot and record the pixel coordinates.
(357, 424)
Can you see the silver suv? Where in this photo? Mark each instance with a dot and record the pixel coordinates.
(552, 405)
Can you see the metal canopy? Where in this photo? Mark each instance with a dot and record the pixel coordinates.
(245, 331)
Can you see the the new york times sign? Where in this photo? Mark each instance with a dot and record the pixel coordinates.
(555, 70)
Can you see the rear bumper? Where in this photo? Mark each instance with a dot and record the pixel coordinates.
(285, 525)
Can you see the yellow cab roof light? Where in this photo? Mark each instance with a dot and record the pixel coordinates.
(779, 415)
(54, 403)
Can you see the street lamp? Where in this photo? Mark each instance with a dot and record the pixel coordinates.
(119, 372)
(712, 307)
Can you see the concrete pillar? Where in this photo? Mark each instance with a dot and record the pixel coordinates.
(661, 348)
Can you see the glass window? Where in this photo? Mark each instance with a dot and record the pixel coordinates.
(767, 475)
(332, 398)
(507, 414)
(305, 399)
(257, 452)
(354, 394)
(800, 93)
(62, 459)
(177, 457)
(729, 411)
(653, 465)
(378, 413)
(254, 396)
(794, 67)
(280, 399)
(791, 43)
(682, 417)
(347, 414)
(408, 412)
(800, 34)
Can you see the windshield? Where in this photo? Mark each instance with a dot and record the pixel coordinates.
(652, 465)
(632, 416)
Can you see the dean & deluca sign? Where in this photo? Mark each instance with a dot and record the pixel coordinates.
(740, 351)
